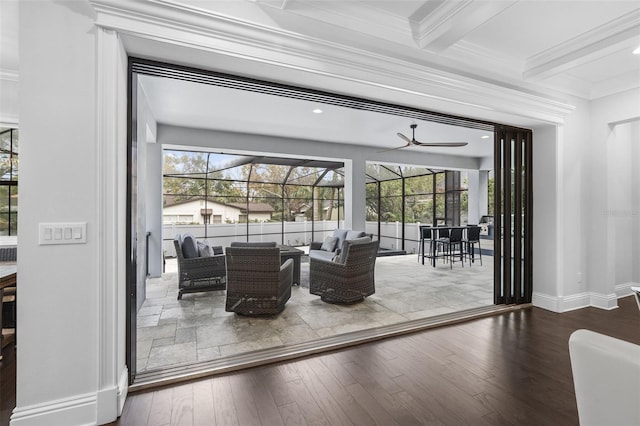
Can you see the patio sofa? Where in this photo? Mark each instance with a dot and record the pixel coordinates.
(333, 245)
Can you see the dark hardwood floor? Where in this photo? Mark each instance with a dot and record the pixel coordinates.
(7, 383)
(509, 369)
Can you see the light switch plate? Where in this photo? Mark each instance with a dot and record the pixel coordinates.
(62, 233)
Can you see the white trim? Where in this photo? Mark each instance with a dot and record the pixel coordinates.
(78, 410)
(123, 390)
(589, 46)
(204, 30)
(9, 121)
(562, 304)
(111, 391)
(624, 290)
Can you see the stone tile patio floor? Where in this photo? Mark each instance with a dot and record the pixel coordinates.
(197, 328)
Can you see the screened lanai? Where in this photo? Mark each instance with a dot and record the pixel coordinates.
(230, 197)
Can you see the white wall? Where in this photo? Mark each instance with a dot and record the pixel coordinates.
(609, 192)
(582, 173)
(70, 363)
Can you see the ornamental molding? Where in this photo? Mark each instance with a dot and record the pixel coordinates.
(591, 45)
(176, 24)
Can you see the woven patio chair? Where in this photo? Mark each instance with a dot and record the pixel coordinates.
(257, 284)
(350, 277)
(199, 273)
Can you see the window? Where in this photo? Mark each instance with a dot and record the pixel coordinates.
(8, 182)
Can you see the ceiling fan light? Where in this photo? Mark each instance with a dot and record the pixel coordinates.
(484, 137)
(317, 111)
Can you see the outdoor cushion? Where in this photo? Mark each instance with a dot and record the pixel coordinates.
(341, 234)
(352, 235)
(329, 243)
(347, 243)
(321, 254)
(204, 250)
(189, 246)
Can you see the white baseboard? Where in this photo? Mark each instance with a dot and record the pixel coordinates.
(123, 389)
(624, 290)
(576, 301)
(89, 409)
(79, 410)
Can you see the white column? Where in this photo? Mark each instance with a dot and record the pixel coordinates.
(473, 213)
(478, 181)
(355, 193)
(483, 193)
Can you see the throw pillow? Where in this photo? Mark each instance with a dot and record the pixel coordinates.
(352, 235)
(204, 250)
(189, 246)
(329, 243)
(341, 234)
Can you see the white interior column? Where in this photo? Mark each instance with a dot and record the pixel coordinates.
(478, 195)
(154, 212)
(473, 210)
(355, 193)
(483, 193)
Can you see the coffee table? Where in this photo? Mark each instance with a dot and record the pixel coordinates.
(288, 252)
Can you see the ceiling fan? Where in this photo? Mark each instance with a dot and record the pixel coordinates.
(413, 141)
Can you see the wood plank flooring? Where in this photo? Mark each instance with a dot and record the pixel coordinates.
(510, 369)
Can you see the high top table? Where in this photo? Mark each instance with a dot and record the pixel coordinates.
(8, 278)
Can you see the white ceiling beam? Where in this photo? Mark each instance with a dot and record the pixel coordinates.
(279, 4)
(595, 44)
(439, 24)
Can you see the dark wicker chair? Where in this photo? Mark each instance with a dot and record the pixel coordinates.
(348, 282)
(256, 282)
(198, 274)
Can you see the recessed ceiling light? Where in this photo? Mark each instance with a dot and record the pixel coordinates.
(317, 111)
(484, 137)
(637, 51)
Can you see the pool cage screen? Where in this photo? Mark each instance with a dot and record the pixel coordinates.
(294, 201)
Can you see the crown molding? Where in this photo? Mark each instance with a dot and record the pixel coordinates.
(177, 24)
(587, 47)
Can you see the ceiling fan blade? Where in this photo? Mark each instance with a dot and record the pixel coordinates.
(443, 144)
(404, 138)
(393, 149)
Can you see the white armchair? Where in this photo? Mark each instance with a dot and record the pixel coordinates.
(606, 377)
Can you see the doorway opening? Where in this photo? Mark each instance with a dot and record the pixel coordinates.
(510, 195)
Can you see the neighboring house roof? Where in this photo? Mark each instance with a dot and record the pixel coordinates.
(253, 207)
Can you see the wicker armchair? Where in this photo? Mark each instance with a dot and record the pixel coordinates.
(197, 274)
(256, 282)
(347, 281)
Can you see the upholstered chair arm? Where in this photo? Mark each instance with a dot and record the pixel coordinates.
(286, 274)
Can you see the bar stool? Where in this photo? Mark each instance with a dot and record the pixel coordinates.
(452, 243)
(473, 238)
(426, 234)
